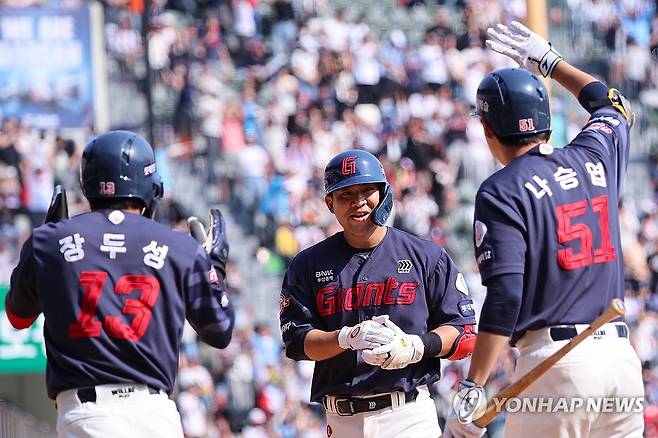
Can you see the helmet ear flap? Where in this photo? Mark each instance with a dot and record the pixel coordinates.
(381, 213)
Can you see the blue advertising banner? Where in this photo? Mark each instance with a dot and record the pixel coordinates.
(45, 66)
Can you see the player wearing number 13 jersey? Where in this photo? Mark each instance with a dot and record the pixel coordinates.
(115, 288)
(547, 243)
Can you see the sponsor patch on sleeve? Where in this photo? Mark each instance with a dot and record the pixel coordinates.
(486, 255)
(466, 308)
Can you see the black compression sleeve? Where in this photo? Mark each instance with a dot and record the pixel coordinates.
(594, 96)
(502, 305)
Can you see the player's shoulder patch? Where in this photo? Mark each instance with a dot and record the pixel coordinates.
(480, 231)
(460, 284)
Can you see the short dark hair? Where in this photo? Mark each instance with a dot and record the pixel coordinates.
(116, 203)
(518, 141)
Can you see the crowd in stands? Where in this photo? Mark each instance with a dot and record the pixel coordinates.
(258, 95)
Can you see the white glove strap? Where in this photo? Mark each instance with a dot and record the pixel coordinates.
(419, 348)
(548, 62)
(342, 337)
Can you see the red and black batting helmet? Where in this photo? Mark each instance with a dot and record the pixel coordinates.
(354, 167)
(121, 165)
(514, 102)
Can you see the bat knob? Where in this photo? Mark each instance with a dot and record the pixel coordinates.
(619, 306)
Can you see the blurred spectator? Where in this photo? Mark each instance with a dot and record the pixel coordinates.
(259, 95)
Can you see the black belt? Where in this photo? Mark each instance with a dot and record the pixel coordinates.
(88, 393)
(353, 405)
(565, 332)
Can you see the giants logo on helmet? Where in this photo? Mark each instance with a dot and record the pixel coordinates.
(332, 299)
(348, 166)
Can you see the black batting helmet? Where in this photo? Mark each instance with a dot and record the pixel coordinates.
(354, 167)
(121, 165)
(514, 102)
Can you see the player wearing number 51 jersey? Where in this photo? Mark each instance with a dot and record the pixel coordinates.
(546, 235)
(115, 288)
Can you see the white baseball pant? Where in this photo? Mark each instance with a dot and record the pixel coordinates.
(119, 411)
(602, 371)
(416, 419)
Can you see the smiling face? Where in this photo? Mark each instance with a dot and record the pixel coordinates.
(353, 207)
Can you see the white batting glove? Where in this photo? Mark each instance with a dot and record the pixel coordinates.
(403, 350)
(524, 46)
(469, 404)
(376, 359)
(366, 334)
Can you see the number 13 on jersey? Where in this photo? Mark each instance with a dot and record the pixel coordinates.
(92, 284)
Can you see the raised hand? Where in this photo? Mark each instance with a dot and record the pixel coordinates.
(215, 242)
(528, 49)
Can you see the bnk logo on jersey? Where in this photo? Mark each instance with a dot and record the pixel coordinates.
(324, 275)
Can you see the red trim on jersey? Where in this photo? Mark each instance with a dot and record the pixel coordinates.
(16, 321)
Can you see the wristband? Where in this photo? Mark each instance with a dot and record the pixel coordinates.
(342, 338)
(433, 344)
(467, 384)
(547, 63)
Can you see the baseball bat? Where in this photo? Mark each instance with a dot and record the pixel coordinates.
(58, 208)
(615, 310)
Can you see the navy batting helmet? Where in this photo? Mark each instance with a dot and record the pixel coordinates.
(354, 167)
(120, 165)
(514, 102)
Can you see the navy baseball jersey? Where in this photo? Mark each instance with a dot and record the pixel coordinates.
(115, 289)
(331, 285)
(551, 215)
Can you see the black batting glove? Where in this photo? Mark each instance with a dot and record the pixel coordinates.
(215, 241)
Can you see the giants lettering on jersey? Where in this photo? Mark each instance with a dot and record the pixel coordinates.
(332, 299)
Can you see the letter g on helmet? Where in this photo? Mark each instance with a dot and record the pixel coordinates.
(354, 167)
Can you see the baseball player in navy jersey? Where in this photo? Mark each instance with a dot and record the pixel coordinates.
(115, 288)
(548, 248)
(376, 308)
